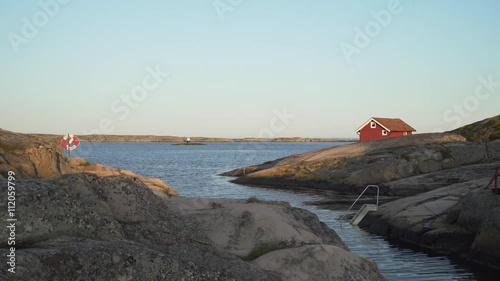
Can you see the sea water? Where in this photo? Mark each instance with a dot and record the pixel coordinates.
(194, 172)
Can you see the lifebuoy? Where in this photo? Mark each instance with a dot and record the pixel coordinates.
(70, 142)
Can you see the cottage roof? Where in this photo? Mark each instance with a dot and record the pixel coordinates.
(390, 124)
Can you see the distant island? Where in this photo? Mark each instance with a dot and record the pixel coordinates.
(152, 138)
(189, 143)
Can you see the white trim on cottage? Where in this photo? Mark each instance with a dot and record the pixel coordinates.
(372, 120)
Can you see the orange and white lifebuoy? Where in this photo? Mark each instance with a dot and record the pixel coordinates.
(70, 142)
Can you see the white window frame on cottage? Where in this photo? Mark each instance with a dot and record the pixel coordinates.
(384, 132)
(405, 133)
(373, 125)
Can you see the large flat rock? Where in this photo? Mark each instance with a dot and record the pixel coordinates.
(85, 227)
(239, 227)
(290, 243)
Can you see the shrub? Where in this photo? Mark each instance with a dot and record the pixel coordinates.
(254, 199)
(85, 164)
(167, 192)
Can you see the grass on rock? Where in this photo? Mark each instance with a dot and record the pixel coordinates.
(85, 164)
(10, 147)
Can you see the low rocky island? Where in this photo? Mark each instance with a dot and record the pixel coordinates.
(78, 220)
(189, 143)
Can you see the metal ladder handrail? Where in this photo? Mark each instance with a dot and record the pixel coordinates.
(487, 153)
(466, 174)
(368, 186)
(463, 177)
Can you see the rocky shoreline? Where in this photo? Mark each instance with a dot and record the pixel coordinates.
(459, 219)
(83, 220)
(433, 188)
(349, 168)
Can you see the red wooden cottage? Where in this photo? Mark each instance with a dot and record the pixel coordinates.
(379, 128)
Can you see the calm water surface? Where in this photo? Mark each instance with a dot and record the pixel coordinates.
(193, 171)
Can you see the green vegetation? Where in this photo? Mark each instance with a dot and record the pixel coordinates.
(10, 147)
(85, 164)
(486, 129)
(254, 199)
(341, 163)
(130, 180)
(496, 122)
(167, 192)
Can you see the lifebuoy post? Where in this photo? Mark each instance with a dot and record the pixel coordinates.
(69, 142)
(67, 146)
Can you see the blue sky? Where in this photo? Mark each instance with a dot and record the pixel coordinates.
(231, 70)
